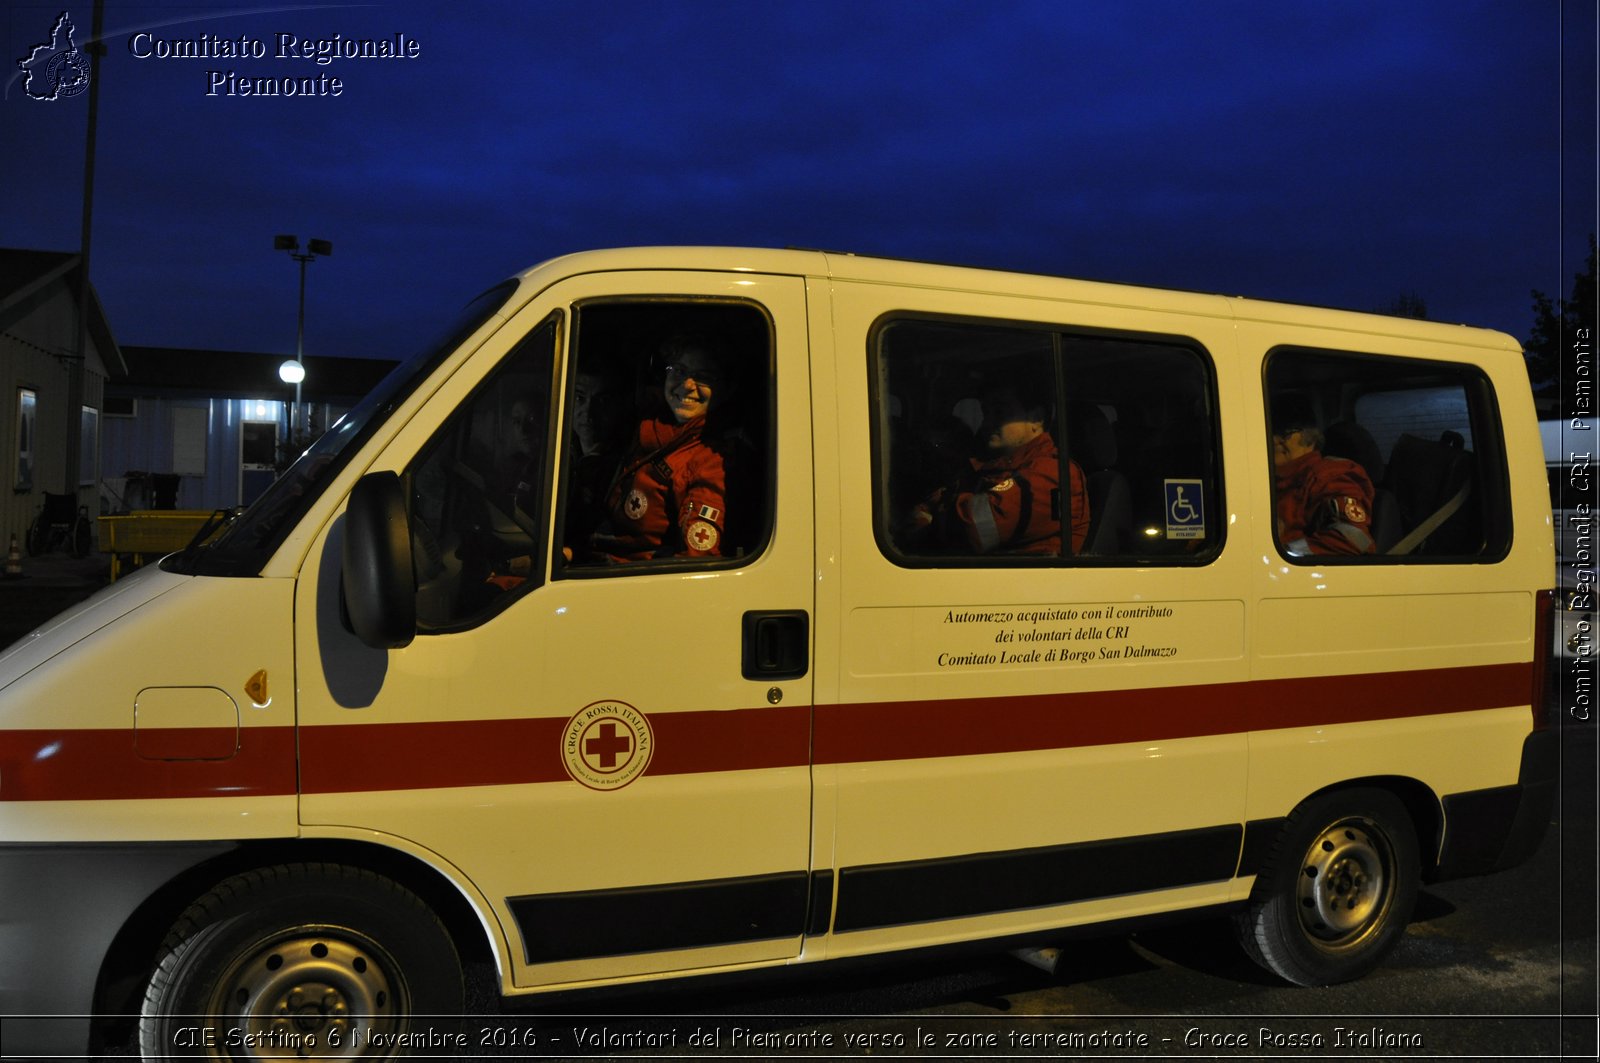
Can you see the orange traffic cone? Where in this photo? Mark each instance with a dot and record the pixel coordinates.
(14, 560)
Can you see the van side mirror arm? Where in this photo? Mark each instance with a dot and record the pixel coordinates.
(378, 585)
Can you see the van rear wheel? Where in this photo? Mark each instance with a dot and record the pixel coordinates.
(1337, 891)
(302, 959)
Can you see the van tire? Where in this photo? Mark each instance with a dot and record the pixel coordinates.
(1337, 890)
(273, 956)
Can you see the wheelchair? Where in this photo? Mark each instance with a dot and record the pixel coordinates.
(61, 521)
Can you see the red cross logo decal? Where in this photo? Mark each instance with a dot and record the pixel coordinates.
(702, 536)
(607, 745)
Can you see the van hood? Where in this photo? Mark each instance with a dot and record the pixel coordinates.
(68, 628)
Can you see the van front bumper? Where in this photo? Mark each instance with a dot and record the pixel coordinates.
(1489, 830)
(61, 907)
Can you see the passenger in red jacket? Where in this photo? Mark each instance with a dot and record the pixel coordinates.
(1323, 505)
(669, 497)
(1010, 502)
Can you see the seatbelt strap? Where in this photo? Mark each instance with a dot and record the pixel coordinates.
(1430, 525)
(983, 521)
(1358, 538)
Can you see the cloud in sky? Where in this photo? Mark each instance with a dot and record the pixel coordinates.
(1338, 154)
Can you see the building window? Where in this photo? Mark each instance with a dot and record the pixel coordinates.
(189, 441)
(89, 446)
(258, 447)
(27, 428)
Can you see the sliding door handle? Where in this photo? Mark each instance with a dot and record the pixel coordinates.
(777, 644)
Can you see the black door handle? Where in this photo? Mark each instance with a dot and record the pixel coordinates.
(777, 644)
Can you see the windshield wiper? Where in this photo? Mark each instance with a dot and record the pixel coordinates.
(219, 519)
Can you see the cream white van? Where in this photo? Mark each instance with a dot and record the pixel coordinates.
(869, 688)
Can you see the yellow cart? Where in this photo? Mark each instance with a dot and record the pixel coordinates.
(156, 532)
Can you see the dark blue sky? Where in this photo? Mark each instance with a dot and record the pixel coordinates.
(1341, 154)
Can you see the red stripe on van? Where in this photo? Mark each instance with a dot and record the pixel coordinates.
(426, 756)
(913, 730)
(398, 756)
(103, 764)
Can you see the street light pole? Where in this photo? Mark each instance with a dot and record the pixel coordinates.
(314, 248)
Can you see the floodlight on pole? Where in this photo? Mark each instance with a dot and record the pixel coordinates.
(314, 248)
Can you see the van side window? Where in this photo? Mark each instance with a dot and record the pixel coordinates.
(1014, 444)
(1384, 459)
(477, 492)
(667, 440)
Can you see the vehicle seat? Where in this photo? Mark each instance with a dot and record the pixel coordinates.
(1093, 445)
(745, 493)
(1427, 476)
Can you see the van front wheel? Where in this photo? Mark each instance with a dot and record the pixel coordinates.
(1337, 891)
(302, 959)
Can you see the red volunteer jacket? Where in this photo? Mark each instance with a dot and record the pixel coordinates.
(1324, 506)
(1013, 505)
(669, 497)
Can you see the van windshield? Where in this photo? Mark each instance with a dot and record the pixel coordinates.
(250, 536)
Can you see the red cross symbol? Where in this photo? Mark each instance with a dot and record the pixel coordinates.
(607, 746)
(702, 536)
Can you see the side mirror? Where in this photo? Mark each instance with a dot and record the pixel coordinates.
(379, 585)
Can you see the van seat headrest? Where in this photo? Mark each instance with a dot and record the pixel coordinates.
(1093, 442)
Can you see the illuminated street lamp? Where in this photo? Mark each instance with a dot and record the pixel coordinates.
(293, 372)
(294, 376)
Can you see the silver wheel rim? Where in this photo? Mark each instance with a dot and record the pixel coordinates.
(1343, 889)
(309, 991)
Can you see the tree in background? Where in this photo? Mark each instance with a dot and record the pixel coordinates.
(1407, 304)
(1552, 348)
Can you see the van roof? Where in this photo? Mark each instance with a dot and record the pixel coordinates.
(844, 265)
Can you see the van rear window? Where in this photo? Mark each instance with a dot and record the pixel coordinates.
(1014, 444)
(1385, 459)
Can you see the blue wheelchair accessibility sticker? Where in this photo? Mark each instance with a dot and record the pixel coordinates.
(1186, 518)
